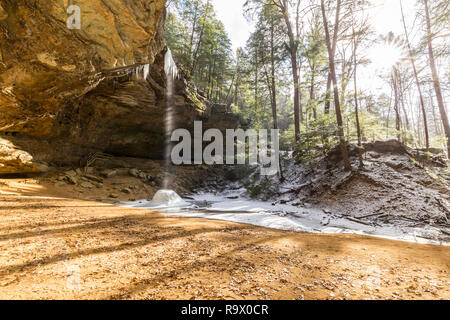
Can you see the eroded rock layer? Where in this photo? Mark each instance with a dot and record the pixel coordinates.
(67, 93)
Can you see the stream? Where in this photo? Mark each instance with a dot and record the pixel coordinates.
(234, 207)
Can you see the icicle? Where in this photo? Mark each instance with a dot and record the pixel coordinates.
(142, 71)
(170, 67)
(146, 71)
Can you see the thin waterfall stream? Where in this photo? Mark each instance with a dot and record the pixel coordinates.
(171, 71)
(166, 198)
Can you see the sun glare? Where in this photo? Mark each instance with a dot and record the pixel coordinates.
(385, 56)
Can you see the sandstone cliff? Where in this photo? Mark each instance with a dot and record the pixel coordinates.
(67, 93)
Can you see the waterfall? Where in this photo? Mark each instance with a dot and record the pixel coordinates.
(171, 70)
(170, 67)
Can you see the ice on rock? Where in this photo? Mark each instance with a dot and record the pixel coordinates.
(141, 72)
(168, 198)
(170, 67)
(146, 71)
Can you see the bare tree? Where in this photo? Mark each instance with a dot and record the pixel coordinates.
(293, 32)
(200, 39)
(394, 76)
(334, 44)
(337, 103)
(355, 65)
(413, 63)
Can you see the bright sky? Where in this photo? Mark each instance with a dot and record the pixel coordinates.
(385, 14)
(230, 12)
(386, 17)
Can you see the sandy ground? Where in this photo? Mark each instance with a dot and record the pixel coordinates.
(53, 246)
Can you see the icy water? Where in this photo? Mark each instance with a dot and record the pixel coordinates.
(171, 71)
(167, 199)
(232, 206)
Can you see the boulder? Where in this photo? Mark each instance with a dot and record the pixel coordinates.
(13, 160)
(126, 191)
(108, 173)
(87, 185)
(94, 178)
(72, 179)
(134, 172)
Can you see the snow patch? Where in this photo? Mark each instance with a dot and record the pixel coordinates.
(231, 206)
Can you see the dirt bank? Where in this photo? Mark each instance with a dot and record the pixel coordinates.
(393, 188)
(62, 248)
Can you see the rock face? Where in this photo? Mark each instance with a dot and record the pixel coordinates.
(13, 160)
(66, 93)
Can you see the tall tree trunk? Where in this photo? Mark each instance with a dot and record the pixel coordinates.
(191, 42)
(358, 124)
(416, 76)
(436, 83)
(419, 131)
(274, 89)
(396, 104)
(256, 78)
(273, 82)
(388, 119)
(328, 94)
(300, 105)
(293, 48)
(402, 103)
(437, 126)
(297, 110)
(312, 93)
(200, 39)
(227, 100)
(236, 85)
(355, 77)
(334, 45)
(212, 66)
(336, 90)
